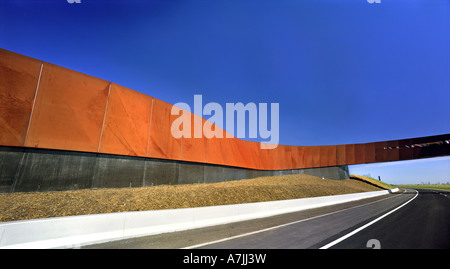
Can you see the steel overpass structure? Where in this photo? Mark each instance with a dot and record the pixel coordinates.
(61, 129)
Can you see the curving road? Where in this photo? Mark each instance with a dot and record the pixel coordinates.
(424, 223)
(408, 219)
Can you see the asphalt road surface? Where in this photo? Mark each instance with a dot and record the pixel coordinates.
(424, 223)
(407, 219)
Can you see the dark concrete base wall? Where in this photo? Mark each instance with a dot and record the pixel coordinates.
(34, 170)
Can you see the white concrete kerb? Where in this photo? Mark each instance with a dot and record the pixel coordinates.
(75, 231)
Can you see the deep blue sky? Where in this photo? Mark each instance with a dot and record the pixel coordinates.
(343, 71)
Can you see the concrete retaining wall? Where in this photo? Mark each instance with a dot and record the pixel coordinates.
(68, 232)
(35, 170)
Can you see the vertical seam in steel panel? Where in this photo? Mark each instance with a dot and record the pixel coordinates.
(149, 128)
(34, 103)
(104, 117)
(148, 143)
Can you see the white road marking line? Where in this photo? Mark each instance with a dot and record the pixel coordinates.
(278, 226)
(367, 225)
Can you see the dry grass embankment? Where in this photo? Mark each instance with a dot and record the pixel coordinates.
(372, 181)
(20, 206)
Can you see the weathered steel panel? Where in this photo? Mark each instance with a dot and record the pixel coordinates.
(315, 150)
(127, 122)
(46, 106)
(162, 144)
(69, 110)
(340, 155)
(324, 156)
(392, 151)
(19, 77)
(350, 153)
(360, 154)
(380, 151)
(193, 147)
(332, 155)
(369, 153)
(406, 149)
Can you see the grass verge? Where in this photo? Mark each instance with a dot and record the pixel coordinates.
(373, 181)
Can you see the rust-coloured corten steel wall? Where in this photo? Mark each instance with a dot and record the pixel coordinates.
(50, 107)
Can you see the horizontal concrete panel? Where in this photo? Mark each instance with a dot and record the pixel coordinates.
(69, 110)
(10, 162)
(114, 171)
(34, 169)
(190, 173)
(19, 76)
(54, 170)
(160, 172)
